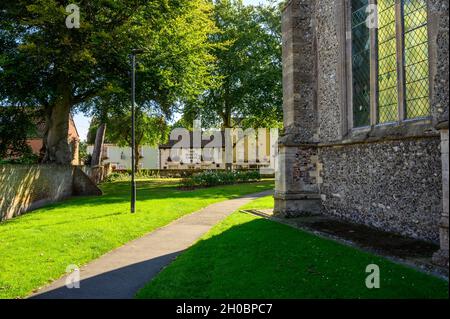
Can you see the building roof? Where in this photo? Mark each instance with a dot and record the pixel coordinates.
(40, 123)
(40, 129)
(211, 142)
(74, 131)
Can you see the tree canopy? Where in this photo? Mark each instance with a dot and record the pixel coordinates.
(249, 93)
(46, 64)
(16, 125)
(150, 130)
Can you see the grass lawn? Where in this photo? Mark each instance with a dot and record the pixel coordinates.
(37, 247)
(249, 257)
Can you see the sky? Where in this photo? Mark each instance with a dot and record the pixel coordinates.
(82, 122)
(253, 1)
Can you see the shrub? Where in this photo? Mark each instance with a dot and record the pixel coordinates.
(125, 175)
(147, 173)
(215, 178)
(117, 177)
(26, 159)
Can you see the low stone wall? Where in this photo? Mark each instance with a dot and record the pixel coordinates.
(27, 187)
(182, 173)
(98, 173)
(392, 185)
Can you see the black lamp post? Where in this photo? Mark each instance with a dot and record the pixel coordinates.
(134, 52)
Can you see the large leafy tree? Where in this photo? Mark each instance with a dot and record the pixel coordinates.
(15, 127)
(151, 129)
(44, 63)
(250, 90)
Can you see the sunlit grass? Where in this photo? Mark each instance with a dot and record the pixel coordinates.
(37, 247)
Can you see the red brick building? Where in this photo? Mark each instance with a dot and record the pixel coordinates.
(74, 141)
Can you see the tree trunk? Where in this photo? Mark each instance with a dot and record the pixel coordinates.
(98, 147)
(227, 121)
(43, 150)
(57, 144)
(136, 157)
(227, 124)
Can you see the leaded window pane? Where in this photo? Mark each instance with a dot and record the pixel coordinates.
(408, 25)
(416, 58)
(360, 64)
(387, 63)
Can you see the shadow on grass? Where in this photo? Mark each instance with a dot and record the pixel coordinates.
(258, 258)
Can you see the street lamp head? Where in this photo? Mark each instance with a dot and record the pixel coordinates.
(137, 51)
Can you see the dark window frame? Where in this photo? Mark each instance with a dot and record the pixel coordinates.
(402, 111)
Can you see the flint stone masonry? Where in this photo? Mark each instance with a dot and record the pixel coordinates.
(329, 72)
(28, 187)
(393, 185)
(299, 73)
(386, 176)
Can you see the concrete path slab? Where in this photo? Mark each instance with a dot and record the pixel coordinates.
(122, 272)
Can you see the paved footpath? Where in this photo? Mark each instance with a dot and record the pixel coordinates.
(123, 271)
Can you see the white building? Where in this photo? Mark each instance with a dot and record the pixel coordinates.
(120, 157)
(244, 153)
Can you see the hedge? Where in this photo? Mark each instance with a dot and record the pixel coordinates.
(215, 178)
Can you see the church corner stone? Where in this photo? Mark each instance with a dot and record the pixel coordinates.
(441, 257)
(296, 190)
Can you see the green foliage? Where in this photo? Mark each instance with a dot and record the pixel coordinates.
(83, 153)
(150, 130)
(94, 59)
(142, 174)
(125, 175)
(16, 126)
(148, 174)
(26, 158)
(249, 92)
(118, 177)
(44, 63)
(215, 178)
